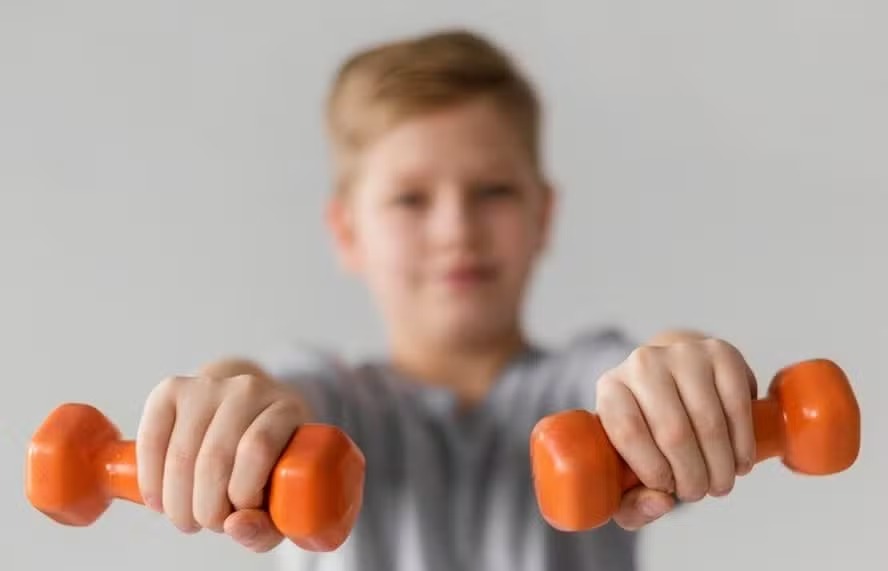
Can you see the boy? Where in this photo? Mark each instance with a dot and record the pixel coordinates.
(443, 208)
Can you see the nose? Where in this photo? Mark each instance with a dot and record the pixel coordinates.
(453, 222)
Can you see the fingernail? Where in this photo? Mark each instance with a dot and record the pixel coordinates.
(653, 507)
(153, 503)
(187, 529)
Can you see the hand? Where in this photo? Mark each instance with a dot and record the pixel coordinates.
(206, 446)
(680, 415)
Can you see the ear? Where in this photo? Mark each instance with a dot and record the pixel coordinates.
(341, 225)
(547, 215)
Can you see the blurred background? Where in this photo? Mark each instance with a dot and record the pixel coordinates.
(723, 166)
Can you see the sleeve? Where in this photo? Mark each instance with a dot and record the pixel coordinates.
(586, 358)
(320, 377)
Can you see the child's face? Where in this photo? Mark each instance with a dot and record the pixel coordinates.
(444, 222)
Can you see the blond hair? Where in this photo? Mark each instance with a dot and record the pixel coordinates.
(378, 87)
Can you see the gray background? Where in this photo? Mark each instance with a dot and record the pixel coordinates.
(162, 173)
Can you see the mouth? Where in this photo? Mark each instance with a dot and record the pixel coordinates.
(469, 275)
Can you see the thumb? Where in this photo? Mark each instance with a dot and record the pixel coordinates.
(253, 529)
(641, 506)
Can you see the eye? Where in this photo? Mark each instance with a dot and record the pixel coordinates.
(410, 199)
(495, 191)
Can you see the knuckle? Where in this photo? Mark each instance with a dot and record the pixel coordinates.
(625, 430)
(658, 477)
(642, 357)
(606, 385)
(740, 408)
(172, 382)
(172, 386)
(675, 433)
(685, 349)
(213, 463)
(258, 447)
(180, 458)
(709, 426)
(694, 488)
(213, 387)
(690, 362)
(294, 405)
(207, 382)
(720, 349)
(248, 385)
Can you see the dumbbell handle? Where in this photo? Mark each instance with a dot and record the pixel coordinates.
(118, 463)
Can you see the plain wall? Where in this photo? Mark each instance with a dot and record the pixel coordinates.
(162, 175)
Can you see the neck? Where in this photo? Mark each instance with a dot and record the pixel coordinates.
(467, 367)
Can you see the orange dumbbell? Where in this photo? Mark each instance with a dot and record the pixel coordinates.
(77, 464)
(810, 419)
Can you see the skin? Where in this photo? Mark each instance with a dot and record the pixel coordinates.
(445, 223)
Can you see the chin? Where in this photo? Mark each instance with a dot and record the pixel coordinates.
(479, 327)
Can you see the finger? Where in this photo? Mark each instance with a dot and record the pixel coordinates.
(152, 440)
(214, 463)
(654, 389)
(694, 379)
(258, 451)
(641, 506)
(628, 432)
(736, 386)
(252, 529)
(192, 419)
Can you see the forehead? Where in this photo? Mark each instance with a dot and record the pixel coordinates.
(475, 136)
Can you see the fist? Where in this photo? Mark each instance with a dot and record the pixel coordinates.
(206, 446)
(680, 415)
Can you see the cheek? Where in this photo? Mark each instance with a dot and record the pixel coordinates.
(391, 250)
(516, 239)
